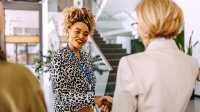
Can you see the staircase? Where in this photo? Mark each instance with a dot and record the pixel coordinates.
(113, 53)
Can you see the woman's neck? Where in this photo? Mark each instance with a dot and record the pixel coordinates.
(148, 41)
(75, 50)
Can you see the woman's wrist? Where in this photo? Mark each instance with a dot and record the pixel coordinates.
(96, 100)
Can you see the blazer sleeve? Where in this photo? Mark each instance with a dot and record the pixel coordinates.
(126, 90)
(70, 97)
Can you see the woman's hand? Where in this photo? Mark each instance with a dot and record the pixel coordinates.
(105, 103)
(105, 108)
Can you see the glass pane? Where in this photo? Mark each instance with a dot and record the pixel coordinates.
(22, 35)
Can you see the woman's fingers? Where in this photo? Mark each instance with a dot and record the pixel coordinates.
(104, 108)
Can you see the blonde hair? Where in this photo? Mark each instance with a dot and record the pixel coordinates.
(159, 18)
(75, 14)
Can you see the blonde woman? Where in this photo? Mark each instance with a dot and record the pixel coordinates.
(162, 78)
(71, 71)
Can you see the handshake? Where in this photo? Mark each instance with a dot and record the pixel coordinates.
(104, 103)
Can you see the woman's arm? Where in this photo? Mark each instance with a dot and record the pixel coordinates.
(126, 90)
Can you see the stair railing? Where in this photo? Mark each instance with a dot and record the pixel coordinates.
(101, 54)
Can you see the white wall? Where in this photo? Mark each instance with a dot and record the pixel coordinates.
(191, 9)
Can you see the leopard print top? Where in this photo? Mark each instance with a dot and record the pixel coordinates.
(69, 81)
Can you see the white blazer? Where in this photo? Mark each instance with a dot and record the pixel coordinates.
(161, 79)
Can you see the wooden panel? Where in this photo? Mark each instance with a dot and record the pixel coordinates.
(22, 39)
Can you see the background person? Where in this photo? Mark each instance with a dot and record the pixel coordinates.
(71, 72)
(19, 90)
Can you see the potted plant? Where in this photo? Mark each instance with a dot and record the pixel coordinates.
(42, 63)
(191, 46)
(180, 43)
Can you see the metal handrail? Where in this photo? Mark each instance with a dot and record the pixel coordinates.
(101, 54)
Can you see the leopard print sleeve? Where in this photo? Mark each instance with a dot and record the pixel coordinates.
(68, 83)
(91, 70)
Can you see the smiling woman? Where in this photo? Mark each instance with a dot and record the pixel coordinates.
(71, 72)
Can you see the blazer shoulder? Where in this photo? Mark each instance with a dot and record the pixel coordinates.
(195, 62)
(191, 59)
(135, 56)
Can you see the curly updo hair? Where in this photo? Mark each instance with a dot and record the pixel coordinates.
(75, 14)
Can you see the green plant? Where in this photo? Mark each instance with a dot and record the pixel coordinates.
(180, 41)
(42, 63)
(190, 45)
(97, 64)
(137, 46)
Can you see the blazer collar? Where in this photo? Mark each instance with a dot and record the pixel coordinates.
(162, 43)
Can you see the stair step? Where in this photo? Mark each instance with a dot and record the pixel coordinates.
(113, 62)
(109, 94)
(112, 77)
(95, 33)
(114, 69)
(111, 50)
(114, 55)
(110, 87)
(98, 39)
(96, 36)
(109, 45)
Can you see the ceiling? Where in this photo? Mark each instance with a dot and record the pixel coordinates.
(119, 6)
